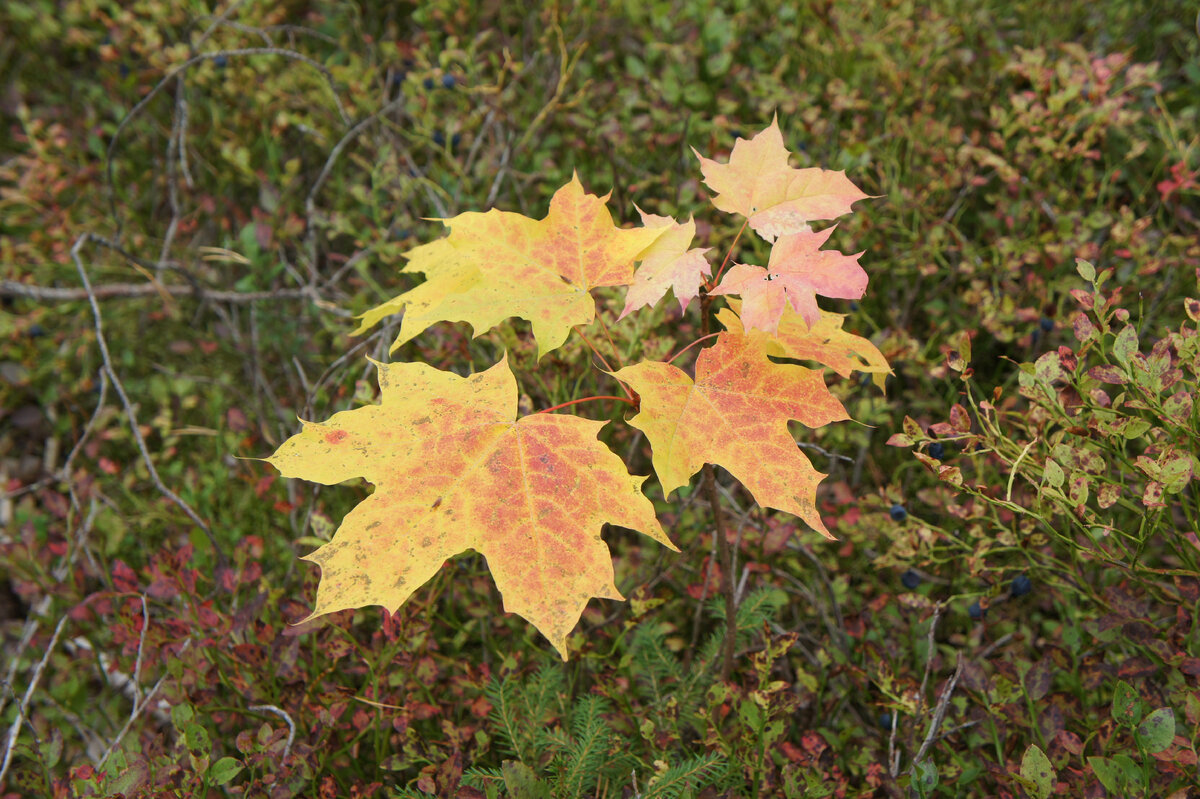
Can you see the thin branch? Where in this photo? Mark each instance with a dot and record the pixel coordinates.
(15, 730)
(283, 714)
(179, 70)
(129, 412)
(125, 291)
(939, 713)
(626, 400)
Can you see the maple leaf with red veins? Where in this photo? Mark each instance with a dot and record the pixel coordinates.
(797, 271)
(455, 469)
(735, 414)
(667, 264)
(776, 199)
(500, 264)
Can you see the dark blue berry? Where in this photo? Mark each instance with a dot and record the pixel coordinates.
(454, 140)
(427, 83)
(885, 720)
(1046, 323)
(439, 138)
(123, 68)
(854, 306)
(220, 62)
(1021, 585)
(448, 82)
(937, 450)
(976, 611)
(898, 513)
(35, 331)
(910, 579)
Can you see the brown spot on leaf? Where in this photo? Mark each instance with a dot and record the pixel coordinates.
(335, 436)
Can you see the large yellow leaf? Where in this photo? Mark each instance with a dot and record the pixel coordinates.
(455, 469)
(499, 264)
(735, 414)
(777, 199)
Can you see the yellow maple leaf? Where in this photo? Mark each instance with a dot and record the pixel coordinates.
(777, 199)
(825, 342)
(500, 264)
(735, 414)
(455, 469)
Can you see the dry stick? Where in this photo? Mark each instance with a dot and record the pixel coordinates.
(939, 714)
(129, 412)
(283, 714)
(127, 291)
(15, 729)
(174, 144)
(158, 87)
(137, 711)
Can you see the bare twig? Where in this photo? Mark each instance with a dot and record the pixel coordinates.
(283, 714)
(179, 70)
(939, 713)
(15, 730)
(126, 291)
(133, 715)
(129, 412)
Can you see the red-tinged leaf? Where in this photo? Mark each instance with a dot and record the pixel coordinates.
(667, 264)
(1152, 496)
(1084, 298)
(1070, 741)
(1084, 330)
(825, 342)
(899, 440)
(798, 270)
(776, 199)
(454, 469)
(1107, 373)
(1191, 307)
(498, 264)
(960, 420)
(735, 414)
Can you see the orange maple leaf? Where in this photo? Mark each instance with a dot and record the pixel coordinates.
(735, 414)
(667, 264)
(455, 469)
(798, 270)
(499, 264)
(777, 199)
(825, 342)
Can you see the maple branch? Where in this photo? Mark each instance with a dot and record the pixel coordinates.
(626, 400)
(603, 360)
(595, 351)
(726, 556)
(711, 284)
(130, 414)
(607, 335)
(688, 347)
(714, 501)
